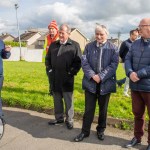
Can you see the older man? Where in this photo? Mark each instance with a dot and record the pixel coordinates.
(99, 64)
(64, 62)
(137, 65)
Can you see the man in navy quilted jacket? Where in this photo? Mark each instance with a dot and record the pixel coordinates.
(137, 65)
(4, 54)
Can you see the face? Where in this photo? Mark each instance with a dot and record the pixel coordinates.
(144, 29)
(63, 34)
(52, 32)
(134, 35)
(100, 36)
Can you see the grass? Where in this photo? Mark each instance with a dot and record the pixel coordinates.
(26, 86)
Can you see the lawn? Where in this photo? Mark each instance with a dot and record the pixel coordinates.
(26, 86)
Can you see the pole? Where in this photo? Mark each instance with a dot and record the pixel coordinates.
(16, 7)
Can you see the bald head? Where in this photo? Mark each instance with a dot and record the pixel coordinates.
(144, 28)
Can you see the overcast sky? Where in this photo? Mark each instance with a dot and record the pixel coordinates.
(117, 15)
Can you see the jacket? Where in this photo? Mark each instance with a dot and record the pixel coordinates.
(3, 55)
(64, 62)
(124, 48)
(102, 61)
(138, 60)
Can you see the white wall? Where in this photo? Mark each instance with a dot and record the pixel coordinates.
(31, 55)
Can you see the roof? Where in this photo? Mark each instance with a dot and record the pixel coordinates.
(3, 36)
(26, 36)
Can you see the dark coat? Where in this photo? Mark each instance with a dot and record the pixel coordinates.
(63, 61)
(124, 48)
(103, 62)
(138, 60)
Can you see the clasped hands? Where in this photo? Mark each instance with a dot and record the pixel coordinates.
(96, 78)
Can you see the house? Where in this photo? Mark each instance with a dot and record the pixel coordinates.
(29, 37)
(6, 37)
(75, 35)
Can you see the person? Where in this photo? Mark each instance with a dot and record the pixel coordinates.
(4, 54)
(124, 48)
(51, 37)
(64, 62)
(137, 66)
(99, 63)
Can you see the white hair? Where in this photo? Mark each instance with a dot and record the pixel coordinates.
(101, 28)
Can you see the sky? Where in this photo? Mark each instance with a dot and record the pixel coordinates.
(119, 16)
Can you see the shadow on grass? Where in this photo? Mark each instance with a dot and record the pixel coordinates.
(36, 125)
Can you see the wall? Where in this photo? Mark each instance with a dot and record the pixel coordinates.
(30, 55)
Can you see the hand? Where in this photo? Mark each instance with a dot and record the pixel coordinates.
(134, 77)
(8, 48)
(96, 78)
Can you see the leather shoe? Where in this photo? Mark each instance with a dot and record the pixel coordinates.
(148, 147)
(100, 135)
(69, 125)
(133, 142)
(80, 137)
(54, 122)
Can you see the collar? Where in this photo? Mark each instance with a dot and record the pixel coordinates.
(100, 44)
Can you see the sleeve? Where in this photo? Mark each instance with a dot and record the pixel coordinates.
(76, 64)
(122, 49)
(88, 71)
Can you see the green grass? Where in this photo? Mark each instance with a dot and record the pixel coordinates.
(26, 86)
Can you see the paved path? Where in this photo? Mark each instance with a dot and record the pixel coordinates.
(28, 130)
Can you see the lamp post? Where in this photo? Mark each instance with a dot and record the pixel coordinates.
(16, 7)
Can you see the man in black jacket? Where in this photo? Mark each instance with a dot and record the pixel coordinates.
(64, 62)
(137, 65)
(124, 48)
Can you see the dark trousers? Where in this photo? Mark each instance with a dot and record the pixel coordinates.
(90, 105)
(140, 100)
(1, 84)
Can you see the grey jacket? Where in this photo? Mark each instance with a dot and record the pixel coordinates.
(102, 61)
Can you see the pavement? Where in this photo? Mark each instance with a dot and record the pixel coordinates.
(29, 130)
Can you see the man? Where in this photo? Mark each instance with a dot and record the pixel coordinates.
(124, 48)
(51, 37)
(4, 54)
(99, 64)
(137, 65)
(64, 62)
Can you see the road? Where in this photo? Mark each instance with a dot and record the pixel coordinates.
(28, 130)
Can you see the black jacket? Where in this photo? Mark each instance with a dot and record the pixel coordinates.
(63, 61)
(124, 48)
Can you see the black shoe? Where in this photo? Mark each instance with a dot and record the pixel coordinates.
(100, 135)
(69, 125)
(132, 143)
(148, 147)
(80, 137)
(55, 122)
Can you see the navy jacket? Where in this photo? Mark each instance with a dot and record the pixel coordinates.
(102, 61)
(3, 55)
(138, 60)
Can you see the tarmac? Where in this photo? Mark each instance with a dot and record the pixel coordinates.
(29, 130)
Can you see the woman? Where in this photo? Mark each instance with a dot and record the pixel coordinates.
(99, 63)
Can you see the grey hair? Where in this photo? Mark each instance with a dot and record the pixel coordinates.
(67, 26)
(100, 27)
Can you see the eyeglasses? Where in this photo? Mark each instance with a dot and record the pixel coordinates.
(143, 25)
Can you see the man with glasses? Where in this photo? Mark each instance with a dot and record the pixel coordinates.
(137, 65)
